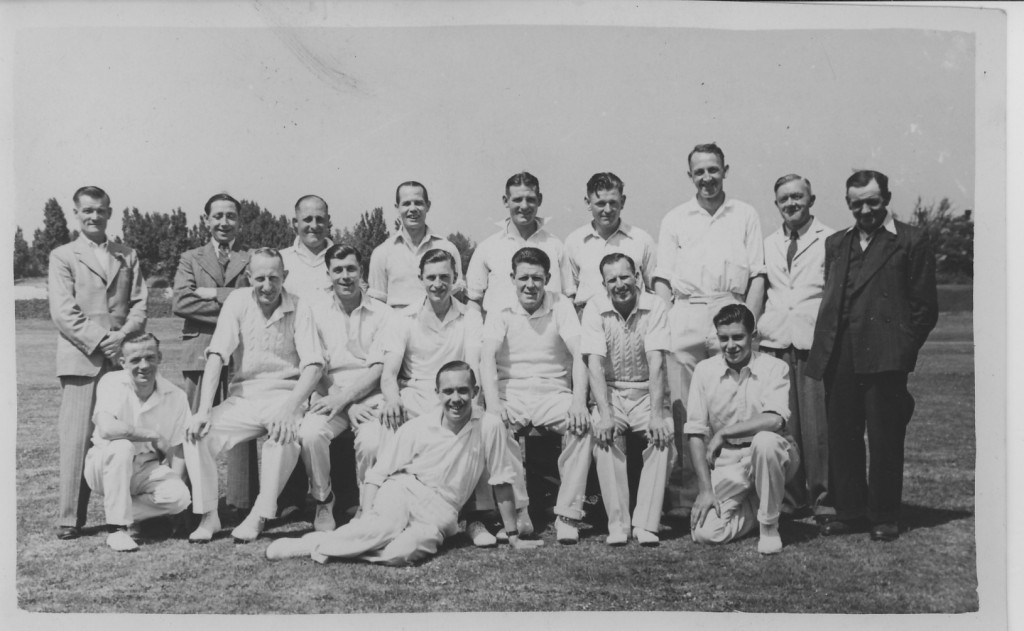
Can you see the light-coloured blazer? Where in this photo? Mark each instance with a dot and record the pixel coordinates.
(201, 268)
(794, 295)
(86, 303)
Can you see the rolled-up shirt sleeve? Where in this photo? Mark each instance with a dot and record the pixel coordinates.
(226, 336)
(667, 246)
(497, 455)
(495, 327)
(476, 274)
(307, 338)
(592, 341)
(755, 247)
(391, 335)
(658, 337)
(698, 421)
(567, 321)
(775, 392)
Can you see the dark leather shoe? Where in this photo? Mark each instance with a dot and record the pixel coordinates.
(885, 532)
(69, 532)
(838, 527)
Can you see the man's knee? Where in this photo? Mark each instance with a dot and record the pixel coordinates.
(713, 532)
(174, 494)
(768, 446)
(313, 432)
(119, 451)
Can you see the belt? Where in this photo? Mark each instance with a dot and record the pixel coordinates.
(629, 385)
(706, 299)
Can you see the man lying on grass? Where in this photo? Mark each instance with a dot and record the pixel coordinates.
(411, 497)
(735, 420)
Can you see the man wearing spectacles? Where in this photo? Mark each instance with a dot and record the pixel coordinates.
(878, 307)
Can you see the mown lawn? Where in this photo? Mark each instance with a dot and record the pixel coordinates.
(931, 568)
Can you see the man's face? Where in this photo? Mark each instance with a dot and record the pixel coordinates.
(266, 275)
(141, 360)
(456, 392)
(605, 207)
(312, 224)
(345, 276)
(736, 344)
(529, 280)
(222, 221)
(707, 173)
(794, 201)
(93, 215)
(621, 283)
(868, 206)
(522, 203)
(437, 280)
(412, 208)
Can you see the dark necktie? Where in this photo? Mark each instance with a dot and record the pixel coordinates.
(791, 252)
(223, 253)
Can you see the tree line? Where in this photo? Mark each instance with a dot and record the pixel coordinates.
(159, 239)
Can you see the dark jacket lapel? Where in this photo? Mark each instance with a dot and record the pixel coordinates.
(875, 256)
(236, 263)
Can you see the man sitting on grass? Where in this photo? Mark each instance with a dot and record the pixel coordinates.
(735, 418)
(136, 461)
(411, 498)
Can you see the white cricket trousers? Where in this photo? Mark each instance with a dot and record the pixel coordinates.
(750, 482)
(235, 421)
(315, 436)
(406, 523)
(134, 487)
(545, 405)
(632, 409)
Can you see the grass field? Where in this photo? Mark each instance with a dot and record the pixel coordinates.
(931, 568)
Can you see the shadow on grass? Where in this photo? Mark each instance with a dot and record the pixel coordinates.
(914, 517)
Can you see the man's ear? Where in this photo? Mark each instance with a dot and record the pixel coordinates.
(725, 171)
(810, 201)
(540, 198)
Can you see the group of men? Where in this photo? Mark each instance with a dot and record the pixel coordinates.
(770, 357)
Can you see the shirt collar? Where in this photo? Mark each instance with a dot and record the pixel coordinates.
(746, 371)
(511, 231)
(694, 207)
(543, 309)
(800, 231)
(92, 244)
(364, 302)
(403, 235)
(474, 417)
(643, 303)
(456, 310)
(287, 305)
(302, 250)
(216, 246)
(624, 228)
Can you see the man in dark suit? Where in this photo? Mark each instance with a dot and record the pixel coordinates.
(206, 276)
(97, 297)
(878, 307)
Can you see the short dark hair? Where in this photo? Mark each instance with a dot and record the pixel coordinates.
(426, 196)
(340, 251)
(606, 181)
(268, 252)
(140, 337)
(791, 177)
(221, 197)
(615, 257)
(437, 255)
(94, 192)
(706, 148)
(523, 178)
(305, 197)
(862, 178)
(733, 314)
(455, 366)
(531, 256)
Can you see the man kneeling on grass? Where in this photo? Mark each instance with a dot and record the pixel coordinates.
(735, 420)
(411, 497)
(135, 461)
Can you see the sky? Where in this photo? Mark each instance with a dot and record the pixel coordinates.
(165, 117)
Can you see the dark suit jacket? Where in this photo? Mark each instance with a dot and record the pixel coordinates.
(200, 268)
(896, 308)
(87, 303)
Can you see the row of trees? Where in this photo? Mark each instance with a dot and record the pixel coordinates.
(160, 238)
